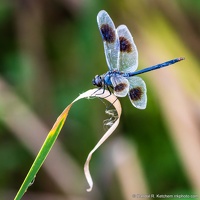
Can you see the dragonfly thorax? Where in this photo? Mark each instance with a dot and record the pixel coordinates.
(104, 79)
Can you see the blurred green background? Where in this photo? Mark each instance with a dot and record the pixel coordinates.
(49, 53)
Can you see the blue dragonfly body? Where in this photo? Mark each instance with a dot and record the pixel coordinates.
(122, 59)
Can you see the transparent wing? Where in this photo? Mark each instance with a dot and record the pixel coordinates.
(137, 92)
(110, 39)
(128, 60)
(120, 85)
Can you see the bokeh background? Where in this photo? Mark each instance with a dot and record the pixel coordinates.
(49, 53)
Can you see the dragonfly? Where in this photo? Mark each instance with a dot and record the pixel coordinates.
(122, 60)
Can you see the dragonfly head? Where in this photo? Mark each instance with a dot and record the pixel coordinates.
(97, 81)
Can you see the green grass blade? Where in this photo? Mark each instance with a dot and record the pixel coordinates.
(45, 149)
(54, 132)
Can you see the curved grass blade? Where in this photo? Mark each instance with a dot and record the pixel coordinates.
(111, 99)
(53, 134)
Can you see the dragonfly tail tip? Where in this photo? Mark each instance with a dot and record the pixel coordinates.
(181, 58)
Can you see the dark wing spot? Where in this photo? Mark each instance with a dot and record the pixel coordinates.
(136, 93)
(108, 33)
(120, 87)
(125, 45)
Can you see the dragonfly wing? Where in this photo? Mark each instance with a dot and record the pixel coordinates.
(137, 92)
(128, 60)
(120, 85)
(110, 39)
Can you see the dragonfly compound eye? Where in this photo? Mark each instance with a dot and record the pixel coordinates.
(97, 81)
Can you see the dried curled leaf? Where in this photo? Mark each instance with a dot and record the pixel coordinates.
(111, 98)
(54, 132)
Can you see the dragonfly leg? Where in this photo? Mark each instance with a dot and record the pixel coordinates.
(98, 90)
(111, 104)
(103, 87)
(106, 86)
